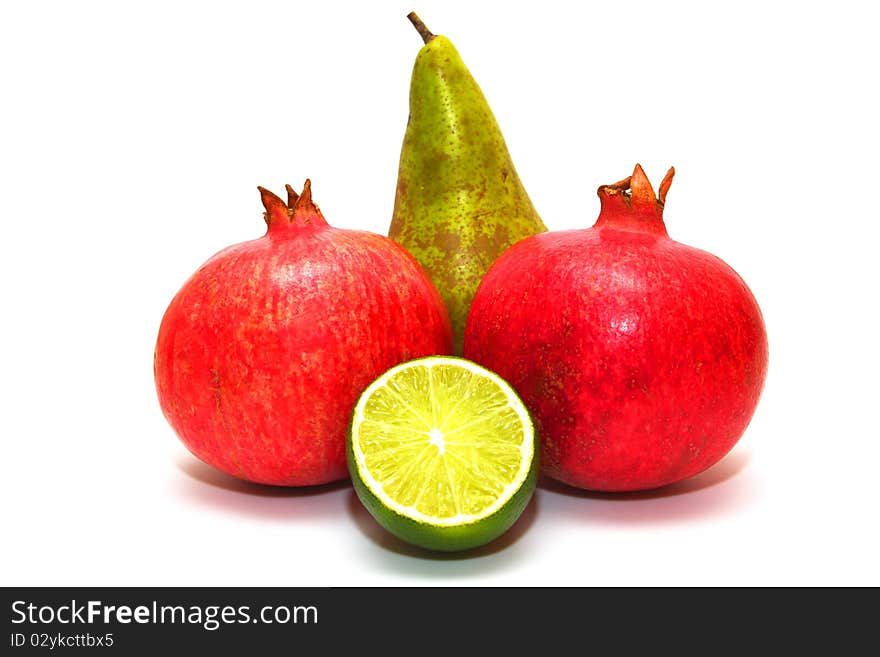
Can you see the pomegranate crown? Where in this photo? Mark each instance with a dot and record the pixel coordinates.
(632, 205)
(299, 211)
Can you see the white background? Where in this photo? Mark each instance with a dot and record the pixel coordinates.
(134, 137)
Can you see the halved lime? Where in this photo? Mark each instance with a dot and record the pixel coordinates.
(442, 452)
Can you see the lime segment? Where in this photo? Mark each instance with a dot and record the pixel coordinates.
(442, 443)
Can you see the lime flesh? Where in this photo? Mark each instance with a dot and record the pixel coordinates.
(442, 453)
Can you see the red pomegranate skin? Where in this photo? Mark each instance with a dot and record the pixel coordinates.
(262, 354)
(642, 359)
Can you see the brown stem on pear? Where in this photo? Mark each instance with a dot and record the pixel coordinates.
(422, 29)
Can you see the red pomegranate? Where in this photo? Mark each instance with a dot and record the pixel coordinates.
(262, 354)
(641, 358)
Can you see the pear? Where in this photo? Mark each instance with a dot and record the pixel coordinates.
(459, 202)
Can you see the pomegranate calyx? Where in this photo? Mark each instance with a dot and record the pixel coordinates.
(277, 212)
(665, 184)
(299, 211)
(291, 196)
(305, 212)
(631, 203)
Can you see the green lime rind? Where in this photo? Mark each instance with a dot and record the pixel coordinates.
(445, 538)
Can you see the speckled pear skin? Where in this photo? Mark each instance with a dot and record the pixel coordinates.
(459, 202)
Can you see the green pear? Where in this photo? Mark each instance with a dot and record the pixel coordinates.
(459, 202)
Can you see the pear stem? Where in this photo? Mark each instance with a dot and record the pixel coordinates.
(422, 29)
